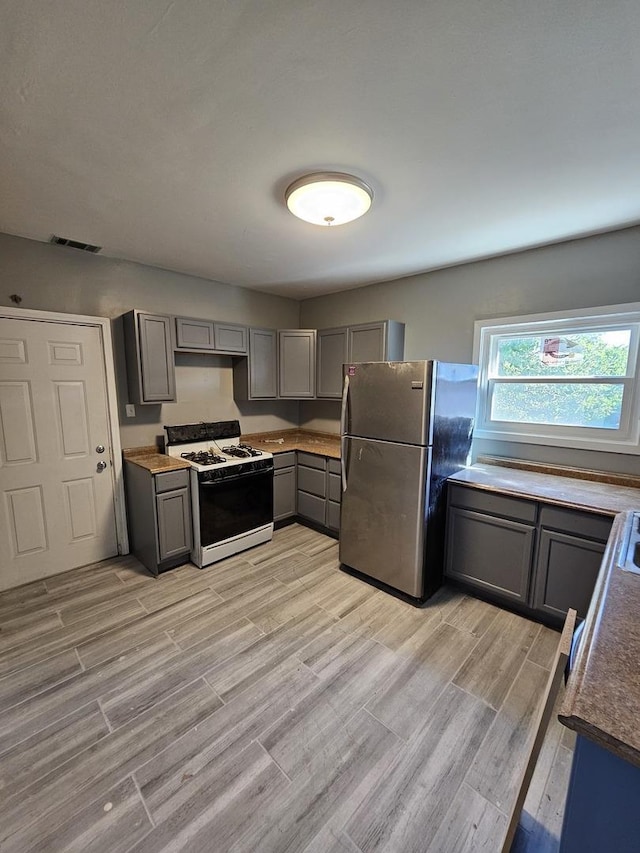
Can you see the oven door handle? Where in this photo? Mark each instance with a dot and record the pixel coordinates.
(210, 483)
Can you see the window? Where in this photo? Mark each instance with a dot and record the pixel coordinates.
(568, 381)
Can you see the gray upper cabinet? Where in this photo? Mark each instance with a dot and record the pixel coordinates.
(296, 363)
(333, 351)
(210, 336)
(194, 334)
(149, 354)
(379, 341)
(256, 377)
(230, 337)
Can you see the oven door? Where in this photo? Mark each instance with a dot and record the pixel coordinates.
(234, 506)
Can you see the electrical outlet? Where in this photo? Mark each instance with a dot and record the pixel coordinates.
(130, 410)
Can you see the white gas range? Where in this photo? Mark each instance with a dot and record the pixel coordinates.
(231, 488)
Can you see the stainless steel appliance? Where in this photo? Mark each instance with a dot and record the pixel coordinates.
(406, 427)
(231, 489)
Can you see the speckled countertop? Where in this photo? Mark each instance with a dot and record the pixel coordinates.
(551, 488)
(320, 443)
(152, 460)
(602, 701)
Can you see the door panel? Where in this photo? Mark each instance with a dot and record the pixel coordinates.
(26, 520)
(332, 353)
(81, 508)
(383, 511)
(367, 342)
(56, 508)
(17, 437)
(389, 401)
(71, 403)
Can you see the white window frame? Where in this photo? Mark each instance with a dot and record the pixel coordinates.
(625, 439)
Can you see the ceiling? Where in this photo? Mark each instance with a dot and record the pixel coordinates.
(167, 131)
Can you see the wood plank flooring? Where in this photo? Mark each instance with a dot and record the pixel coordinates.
(267, 703)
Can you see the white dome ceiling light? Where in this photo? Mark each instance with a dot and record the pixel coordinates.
(328, 198)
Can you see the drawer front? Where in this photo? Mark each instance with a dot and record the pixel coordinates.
(171, 480)
(284, 460)
(312, 480)
(333, 515)
(591, 525)
(311, 507)
(311, 460)
(481, 500)
(230, 338)
(335, 488)
(334, 466)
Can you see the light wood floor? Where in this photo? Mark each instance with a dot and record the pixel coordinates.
(267, 703)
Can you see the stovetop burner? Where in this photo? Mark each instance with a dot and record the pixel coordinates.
(203, 457)
(241, 451)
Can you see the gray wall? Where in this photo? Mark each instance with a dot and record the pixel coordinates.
(54, 278)
(439, 310)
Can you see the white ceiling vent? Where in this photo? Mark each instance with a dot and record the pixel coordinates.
(74, 244)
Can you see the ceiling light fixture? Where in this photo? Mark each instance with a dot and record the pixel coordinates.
(328, 198)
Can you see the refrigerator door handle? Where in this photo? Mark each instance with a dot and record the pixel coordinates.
(345, 403)
(343, 431)
(343, 461)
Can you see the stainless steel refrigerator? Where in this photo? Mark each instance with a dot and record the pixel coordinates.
(406, 427)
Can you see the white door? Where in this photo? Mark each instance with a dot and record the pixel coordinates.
(57, 498)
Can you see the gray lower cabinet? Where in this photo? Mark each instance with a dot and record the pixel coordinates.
(159, 515)
(256, 376)
(491, 553)
(296, 363)
(319, 491)
(570, 549)
(284, 485)
(149, 355)
(545, 558)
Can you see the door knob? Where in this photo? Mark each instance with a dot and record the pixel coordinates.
(100, 448)
(101, 465)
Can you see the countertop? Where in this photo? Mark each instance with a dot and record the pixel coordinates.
(279, 441)
(320, 443)
(152, 460)
(602, 701)
(564, 491)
